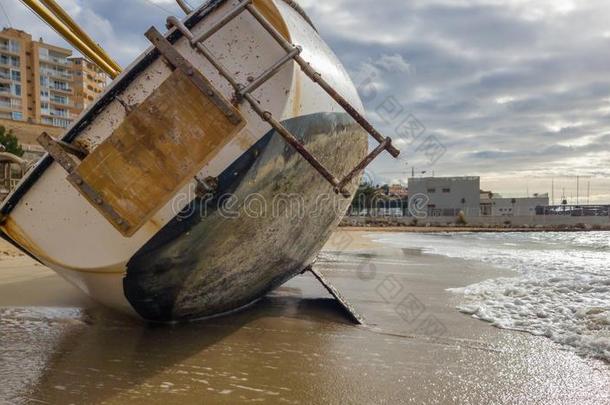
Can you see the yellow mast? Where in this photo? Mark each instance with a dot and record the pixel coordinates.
(66, 19)
(65, 26)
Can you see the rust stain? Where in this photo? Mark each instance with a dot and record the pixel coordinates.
(297, 96)
(245, 140)
(272, 14)
(13, 231)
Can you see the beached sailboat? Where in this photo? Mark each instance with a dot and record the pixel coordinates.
(212, 170)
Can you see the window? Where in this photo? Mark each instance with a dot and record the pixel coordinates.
(17, 116)
(446, 190)
(15, 46)
(16, 75)
(60, 99)
(431, 190)
(17, 90)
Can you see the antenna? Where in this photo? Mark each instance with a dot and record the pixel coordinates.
(553, 192)
(577, 190)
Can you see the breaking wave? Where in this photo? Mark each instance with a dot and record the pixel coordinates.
(562, 290)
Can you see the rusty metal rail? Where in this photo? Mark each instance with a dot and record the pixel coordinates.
(293, 53)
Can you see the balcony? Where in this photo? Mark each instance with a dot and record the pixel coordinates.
(9, 49)
(52, 112)
(9, 63)
(55, 60)
(61, 102)
(6, 91)
(56, 74)
(67, 90)
(56, 122)
(10, 106)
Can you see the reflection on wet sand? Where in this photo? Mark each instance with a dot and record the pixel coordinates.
(95, 356)
(294, 346)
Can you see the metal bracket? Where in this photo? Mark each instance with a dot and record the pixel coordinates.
(347, 307)
(96, 199)
(59, 151)
(179, 62)
(75, 150)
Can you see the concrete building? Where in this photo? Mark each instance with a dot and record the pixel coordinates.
(89, 82)
(39, 84)
(486, 203)
(517, 207)
(14, 97)
(52, 88)
(445, 196)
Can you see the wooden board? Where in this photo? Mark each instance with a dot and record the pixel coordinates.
(161, 145)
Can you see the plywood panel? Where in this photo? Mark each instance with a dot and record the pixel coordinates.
(159, 147)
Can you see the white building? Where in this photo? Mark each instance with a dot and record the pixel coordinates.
(514, 207)
(445, 196)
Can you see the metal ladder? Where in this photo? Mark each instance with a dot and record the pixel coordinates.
(244, 92)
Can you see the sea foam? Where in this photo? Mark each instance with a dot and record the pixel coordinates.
(562, 290)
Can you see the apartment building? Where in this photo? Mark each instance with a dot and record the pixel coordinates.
(89, 82)
(41, 84)
(14, 98)
(52, 87)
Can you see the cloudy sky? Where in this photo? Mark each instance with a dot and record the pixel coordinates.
(515, 91)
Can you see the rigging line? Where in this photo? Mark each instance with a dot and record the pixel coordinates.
(152, 3)
(10, 24)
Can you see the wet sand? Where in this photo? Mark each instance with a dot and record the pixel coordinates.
(295, 346)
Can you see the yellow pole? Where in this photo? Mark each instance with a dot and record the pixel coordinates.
(69, 36)
(70, 23)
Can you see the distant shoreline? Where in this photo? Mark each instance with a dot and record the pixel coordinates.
(462, 229)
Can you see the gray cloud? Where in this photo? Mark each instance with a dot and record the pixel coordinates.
(514, 89)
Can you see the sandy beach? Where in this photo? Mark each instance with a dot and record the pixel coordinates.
(295, 346)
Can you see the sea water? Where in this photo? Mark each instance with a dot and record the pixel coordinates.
(561, 291)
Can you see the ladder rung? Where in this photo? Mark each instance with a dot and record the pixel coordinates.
(175, 22)
(175, 59)
(292, 53)
(296, 144)
(364, 163)
(316, 77)
(222, 22)
(267, 74)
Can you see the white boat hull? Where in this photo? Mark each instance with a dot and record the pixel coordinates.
(200, 257)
